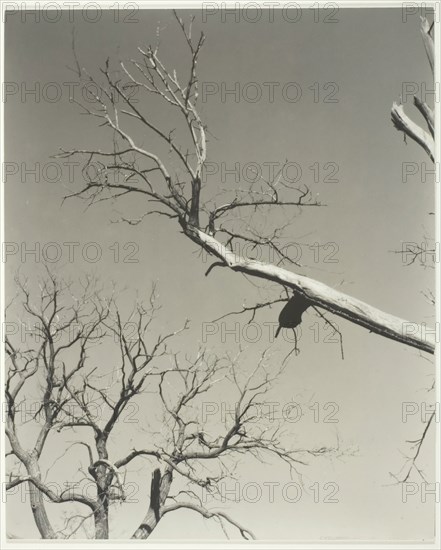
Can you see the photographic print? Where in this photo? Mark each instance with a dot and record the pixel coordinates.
(220, 252)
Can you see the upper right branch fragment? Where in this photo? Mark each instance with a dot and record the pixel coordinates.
(401, 121)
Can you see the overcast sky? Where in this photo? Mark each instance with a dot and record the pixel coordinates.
(366, 55)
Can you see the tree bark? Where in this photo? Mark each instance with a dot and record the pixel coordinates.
(101, 517)
(101, 513)
(159, 489)
(37, 503)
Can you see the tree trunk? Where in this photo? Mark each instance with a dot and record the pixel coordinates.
(37, 503)
(101, 516)
(159, 490)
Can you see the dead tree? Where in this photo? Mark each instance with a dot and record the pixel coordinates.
(57, 362)
(170, 183)
(425, 139)
(402, 122)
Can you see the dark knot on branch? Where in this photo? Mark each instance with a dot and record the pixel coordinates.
(291, 314)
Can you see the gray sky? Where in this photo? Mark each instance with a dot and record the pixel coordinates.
(368, 54)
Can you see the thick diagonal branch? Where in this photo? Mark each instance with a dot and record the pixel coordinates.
(321, 295)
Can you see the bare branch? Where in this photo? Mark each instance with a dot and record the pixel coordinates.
(209, 514)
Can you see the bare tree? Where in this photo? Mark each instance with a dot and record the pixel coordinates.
(169, 178)
(60, 365)
(403, 123)
(425, 253)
